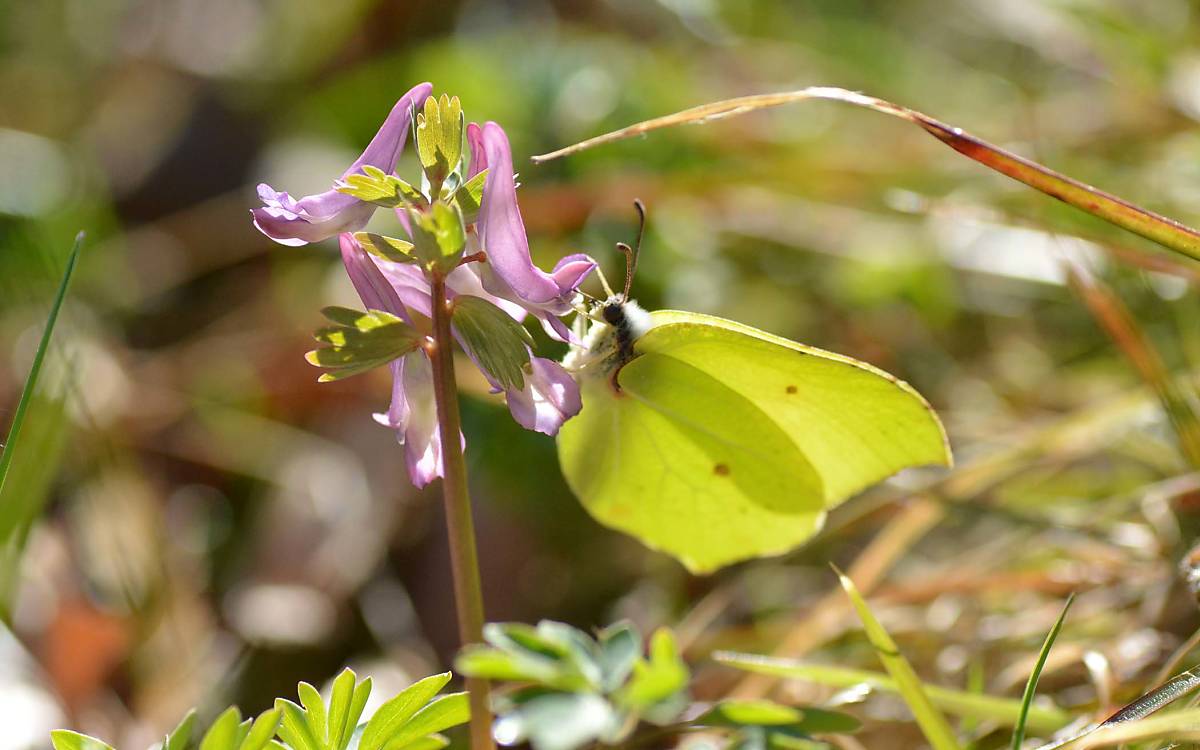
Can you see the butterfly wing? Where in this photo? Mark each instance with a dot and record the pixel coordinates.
(688, 466)
(854, 423)
(726, 443)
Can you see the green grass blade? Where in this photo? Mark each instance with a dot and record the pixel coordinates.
(1031, 686)
(968, 705)
(934, 726)
(14, 430)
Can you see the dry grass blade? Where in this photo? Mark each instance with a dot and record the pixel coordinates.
(1165, 231)
(1116, 320)
(1131, 724)
(1182, 726)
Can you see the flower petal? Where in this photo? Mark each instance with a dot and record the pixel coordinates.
(422, 443)
(413, 415)
(570, 272)
(376, 290)
(549, 398)
(478, 156)
(322, 215)
(503, 231)
(385, 148)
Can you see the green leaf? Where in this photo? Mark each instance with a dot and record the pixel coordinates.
(658, 678)
(360, 341)
(392, 716)
(443, 713)
(558, 721)
(497, 342)
(388, 248)
(933, 725)
(346, 703)
(180, 736)
(223, 734)
(1031, 686)
(65, 739)
(314, 713)
(294, 728)
(765, 713)
(496, 664)
(439, 133)
(262, 730)
(469, 197)
(551, 655)
(620, 647)
(824, 721)
(382, 189)
(432, 742)
(969, 705)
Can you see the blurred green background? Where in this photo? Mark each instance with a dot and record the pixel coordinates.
(212, 525)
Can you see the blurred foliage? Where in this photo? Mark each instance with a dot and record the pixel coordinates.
(221, 526)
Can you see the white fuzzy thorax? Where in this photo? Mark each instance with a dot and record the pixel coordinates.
(639, 319)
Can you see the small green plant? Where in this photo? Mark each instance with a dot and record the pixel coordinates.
(568, 690)
(412, 720)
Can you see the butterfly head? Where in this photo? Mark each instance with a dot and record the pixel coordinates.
(617, 322)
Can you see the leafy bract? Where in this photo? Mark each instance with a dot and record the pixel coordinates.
(438, 134)
(469, 196)
(388, 248)
(498, 344)
(726, 443)
(374, 185)
(438, 236)
(360, 341)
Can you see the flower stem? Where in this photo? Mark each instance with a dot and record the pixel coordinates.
(464, 560)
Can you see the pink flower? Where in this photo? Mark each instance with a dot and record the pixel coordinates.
(412, 413)
(509, 272)
(317, 217)
(549, 397)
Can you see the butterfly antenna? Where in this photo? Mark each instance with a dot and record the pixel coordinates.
(632, 253)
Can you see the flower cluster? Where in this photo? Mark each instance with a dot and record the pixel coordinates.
(464, 228)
